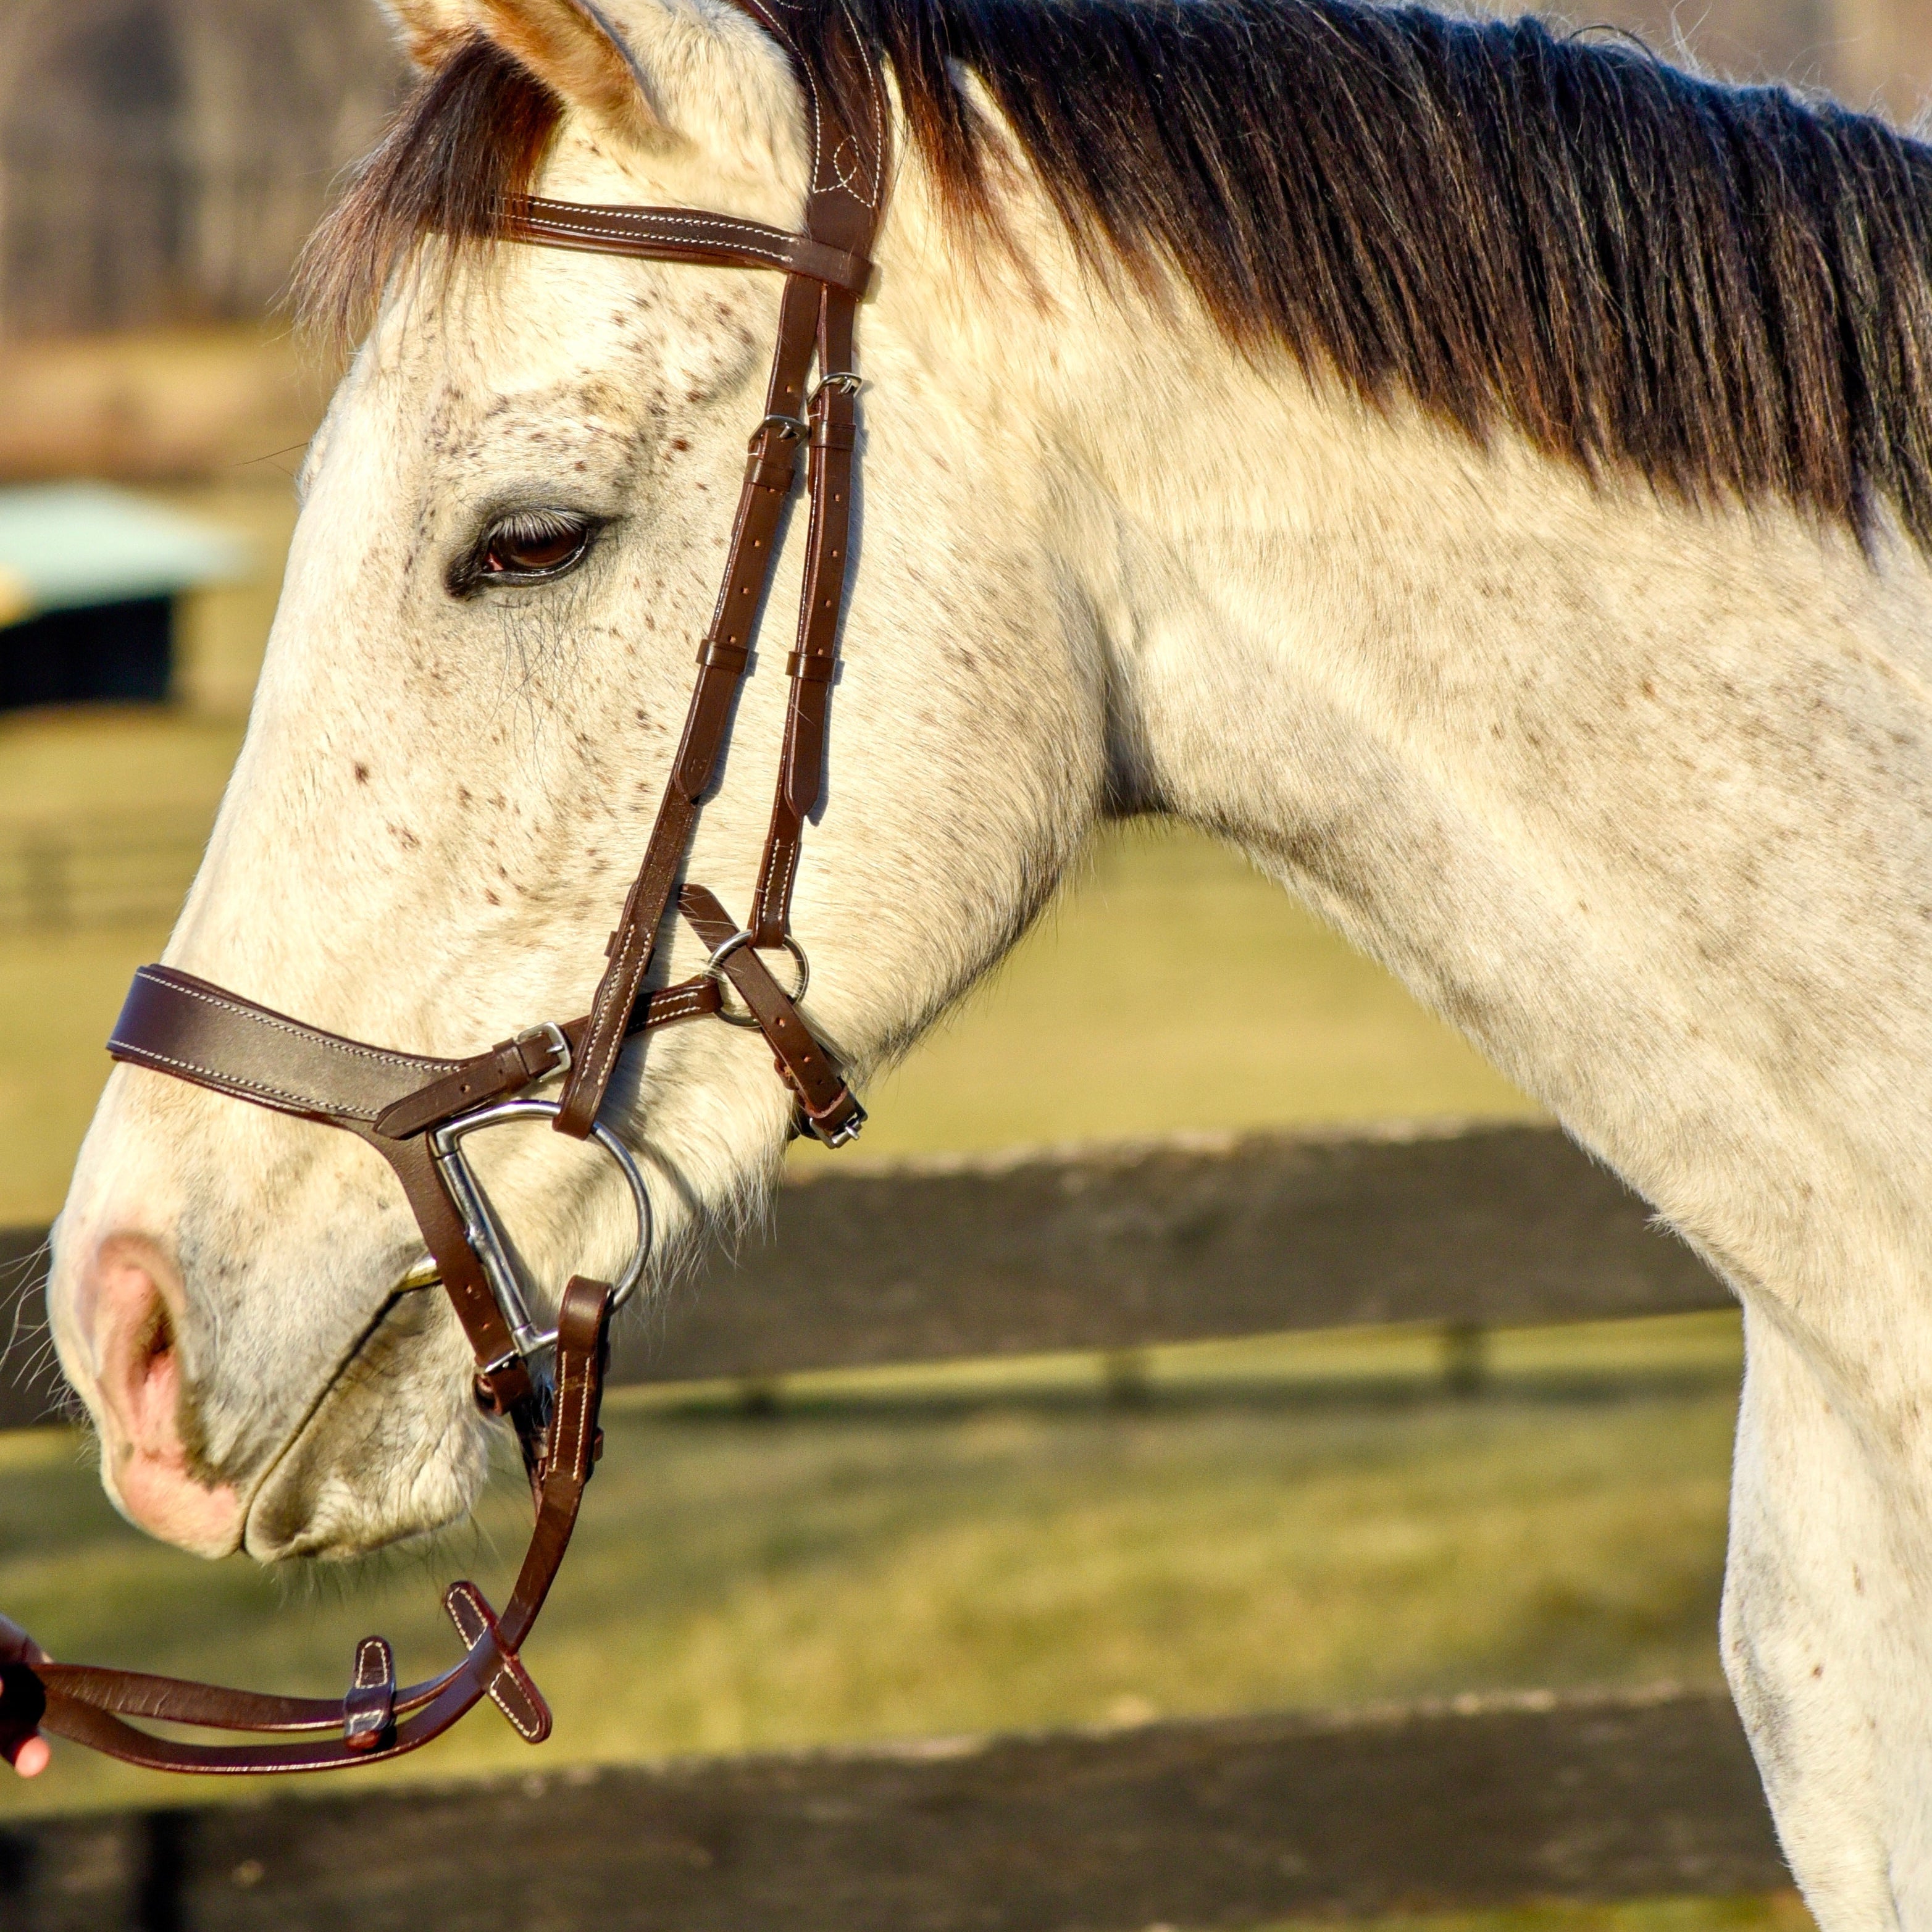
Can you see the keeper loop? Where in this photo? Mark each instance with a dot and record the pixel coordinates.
(716, 654)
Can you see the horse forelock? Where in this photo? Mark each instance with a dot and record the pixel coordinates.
(1726, 289)
(466, 142)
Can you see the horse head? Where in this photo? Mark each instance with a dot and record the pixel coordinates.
(512, 526)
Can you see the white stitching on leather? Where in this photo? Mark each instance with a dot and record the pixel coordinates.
(536, 224)
(664, 1006)
(600, 1072)
(876, 90)
(531, 1727)
(146, 1056)
(583, 1421)
(792, 848)
(643, 217)
(469, 1624)
(411, 1061)
(784, 250)
(801, 65)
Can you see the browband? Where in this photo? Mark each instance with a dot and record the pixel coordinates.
(683, 234)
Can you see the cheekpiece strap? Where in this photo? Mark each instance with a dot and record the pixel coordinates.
(826, 272)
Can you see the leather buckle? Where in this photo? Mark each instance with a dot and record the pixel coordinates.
(847, 1129)
(551, 1035)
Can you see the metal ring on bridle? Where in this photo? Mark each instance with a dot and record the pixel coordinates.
(795, 428)
(714, 969)
(486, 1239)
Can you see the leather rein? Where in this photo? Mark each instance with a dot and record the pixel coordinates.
(416, 1111)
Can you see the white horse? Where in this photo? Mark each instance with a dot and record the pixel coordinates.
(1485, 478)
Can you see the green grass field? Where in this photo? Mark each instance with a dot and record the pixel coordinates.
(1294, 1523)
(1305, 1522)
(63, 989)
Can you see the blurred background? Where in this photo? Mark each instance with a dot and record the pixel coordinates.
(1317, 1521)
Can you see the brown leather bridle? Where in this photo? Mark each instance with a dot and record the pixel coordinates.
(415, 1110)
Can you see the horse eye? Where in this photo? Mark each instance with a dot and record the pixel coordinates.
(532, 545)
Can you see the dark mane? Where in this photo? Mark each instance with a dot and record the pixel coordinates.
(1728, 289)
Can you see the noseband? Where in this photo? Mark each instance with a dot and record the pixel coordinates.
(416, 1112)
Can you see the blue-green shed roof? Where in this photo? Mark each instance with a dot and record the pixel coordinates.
(65, 546)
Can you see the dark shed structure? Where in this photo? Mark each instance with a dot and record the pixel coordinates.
(89, 581)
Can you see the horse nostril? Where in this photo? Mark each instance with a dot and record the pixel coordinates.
(139, 1364)
(152, 1380)
(136, 1299)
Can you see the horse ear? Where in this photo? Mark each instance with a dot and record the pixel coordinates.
(427, 29)
(575, 49)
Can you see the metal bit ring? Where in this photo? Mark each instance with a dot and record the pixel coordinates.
(486, 1238)
(714, 970)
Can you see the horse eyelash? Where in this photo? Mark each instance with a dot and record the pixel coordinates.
(468, 575)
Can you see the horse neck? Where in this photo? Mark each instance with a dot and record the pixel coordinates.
(1615, 784)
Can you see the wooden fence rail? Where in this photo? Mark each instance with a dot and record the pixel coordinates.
(1124, 1247)
(102, 869)
(1219, 1824)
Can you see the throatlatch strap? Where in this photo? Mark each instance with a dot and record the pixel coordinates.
(806, 1067)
